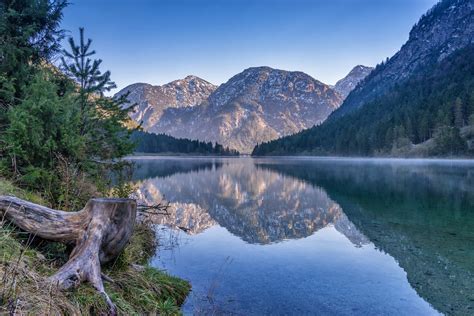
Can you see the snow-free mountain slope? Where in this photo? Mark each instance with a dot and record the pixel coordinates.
(349, 82)
(257, 105)
(153, 100)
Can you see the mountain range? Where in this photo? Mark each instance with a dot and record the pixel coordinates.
(257, 105)
(420, 102)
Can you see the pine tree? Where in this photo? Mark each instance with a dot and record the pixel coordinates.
(85, 71)
(470, 106)
(104, 120)
(471, 119)
(458, 113)
(43, 130)
(29, 36)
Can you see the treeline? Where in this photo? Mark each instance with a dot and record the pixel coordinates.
(59, 134)
(434, 109)
(164, 144)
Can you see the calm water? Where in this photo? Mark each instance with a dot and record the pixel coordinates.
(316, 236)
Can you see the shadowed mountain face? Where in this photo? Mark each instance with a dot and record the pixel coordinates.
(422, 215)
(255, 204)
(447, 27)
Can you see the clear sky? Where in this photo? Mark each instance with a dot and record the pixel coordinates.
(157, 41)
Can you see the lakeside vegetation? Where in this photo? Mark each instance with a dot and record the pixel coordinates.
(136, 288)
(56, 126)
(60, 140)
(150, 143)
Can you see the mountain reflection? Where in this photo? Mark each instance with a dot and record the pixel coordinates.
(421, 213)
(258, 205)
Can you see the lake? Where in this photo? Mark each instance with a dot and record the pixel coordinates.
(326, 236)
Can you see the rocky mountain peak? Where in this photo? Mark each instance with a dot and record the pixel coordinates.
(265, 83)
(153, 100)
(192, 77)
(349, 82)
(193, 87)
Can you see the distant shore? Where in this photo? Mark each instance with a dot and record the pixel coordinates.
(306, 157)
(193, 155)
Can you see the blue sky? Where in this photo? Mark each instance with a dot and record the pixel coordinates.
(157, 41)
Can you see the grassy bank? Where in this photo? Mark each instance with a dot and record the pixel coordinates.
(136, 289)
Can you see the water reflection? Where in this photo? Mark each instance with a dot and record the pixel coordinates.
(160, 167)
(258, 205)
(421, 214)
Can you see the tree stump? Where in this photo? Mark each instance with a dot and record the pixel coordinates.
(99, 232)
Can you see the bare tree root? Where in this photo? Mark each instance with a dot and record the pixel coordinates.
(100, 231)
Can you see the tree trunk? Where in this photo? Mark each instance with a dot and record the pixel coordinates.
(99, 232)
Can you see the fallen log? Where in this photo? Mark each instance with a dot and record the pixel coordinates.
(99, 232)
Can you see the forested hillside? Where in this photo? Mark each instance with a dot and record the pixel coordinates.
(164, 144)
(422, 111)
(442, 30)
(435, 104)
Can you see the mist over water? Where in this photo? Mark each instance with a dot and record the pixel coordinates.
(324, 236)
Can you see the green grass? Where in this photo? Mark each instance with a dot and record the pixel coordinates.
(138, 289)
(8, 188)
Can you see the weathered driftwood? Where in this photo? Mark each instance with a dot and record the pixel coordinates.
(99, 233)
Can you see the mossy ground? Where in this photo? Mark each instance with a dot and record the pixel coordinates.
(136, 289)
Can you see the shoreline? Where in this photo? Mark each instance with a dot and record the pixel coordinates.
(25, 266)
(304, 157)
